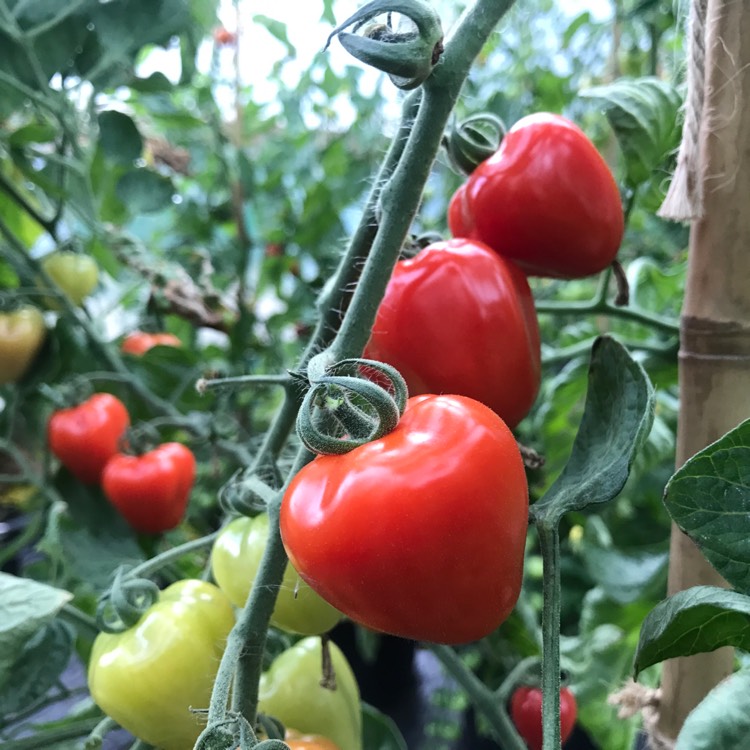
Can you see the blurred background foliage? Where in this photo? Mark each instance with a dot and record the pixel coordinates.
(131, 131)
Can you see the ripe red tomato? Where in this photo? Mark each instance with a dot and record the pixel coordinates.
(224, 37)
(419, 533)
(526, 712)
(458, 318)
(86, 436)
(546, 200)
(139, 342)
(151, 491)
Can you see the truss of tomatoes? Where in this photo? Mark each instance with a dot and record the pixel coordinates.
(151, 491)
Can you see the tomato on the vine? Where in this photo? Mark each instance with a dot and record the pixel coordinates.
(235, 560)
(224, 37)
(526, 712)
(139, 342)
(458, 318)
(151, 491)
(86, 436)
(546, 200)
(76, 275)
(291, 692)
(298, 741)
(148, 677)
(419, 533)
(22, 333)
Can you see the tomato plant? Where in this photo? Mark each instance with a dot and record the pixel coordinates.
(148, 677)
(22, 333)
(546, 200)
(457, 318)
(291, 691)
(235, 559)
(151, 491)
(139, 342)
(86, 436)
(526, 712)
(76, 275)
(374, 531)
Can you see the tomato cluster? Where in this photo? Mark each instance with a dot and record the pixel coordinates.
(150, 491)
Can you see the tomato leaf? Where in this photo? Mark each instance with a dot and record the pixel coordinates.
(38, 667)
(144, 191)
(708, 499)
(722, 719)
(380, 731)
(643, 113)
(119, 137)
(617, 418)
(25, 606)
(693, 621)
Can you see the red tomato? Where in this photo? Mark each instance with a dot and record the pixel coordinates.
(139, 342)
(223, 36)
(419, 533)
(86, 436)
(151, 491)
(458, 318)
(526, 712)
(546, 200)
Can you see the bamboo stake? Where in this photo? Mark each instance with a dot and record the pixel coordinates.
(715, 340)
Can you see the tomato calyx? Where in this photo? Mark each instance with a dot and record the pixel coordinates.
(407, 56)
(353, 402)
(127, 600)
(473, 140)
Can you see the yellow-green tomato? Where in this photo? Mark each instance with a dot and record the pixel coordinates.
(291, 691)
(235, 560)
(150, 676)
(22, 334)
(77, 275)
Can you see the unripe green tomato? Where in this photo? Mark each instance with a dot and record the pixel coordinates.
(76, 275)
(148, 677)
(22, 333)
(291, 691)
(235, 560)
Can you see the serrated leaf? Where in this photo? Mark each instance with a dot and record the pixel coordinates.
(693, 621)
(25, 606)
(643, 113)
(38, 667)
(709, 498)
(119, 137)
(617, 418)
(722, 720)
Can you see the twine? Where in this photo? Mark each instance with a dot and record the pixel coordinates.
(684, 199)
(635, 699)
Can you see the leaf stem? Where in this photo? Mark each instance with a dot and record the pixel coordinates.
(48, 738)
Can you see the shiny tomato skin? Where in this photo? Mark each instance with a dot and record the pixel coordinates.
(308, 742)
(419, 533)
(139, 342)
(151, 491)
(526, 712)
(22, 333)
(85, 437)
(546, 200)
(457, 318)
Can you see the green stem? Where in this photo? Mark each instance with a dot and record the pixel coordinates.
(526, 672)
(168, 556)
(666, 349)
(483, 699)
(48, 738)
(549, 541)
(30, 532)
(81, 620)
(97, 734)
(19, 199)
(203, 384)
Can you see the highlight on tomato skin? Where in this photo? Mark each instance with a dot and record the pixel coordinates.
(546, 200)
(420, 533)
(139, 342)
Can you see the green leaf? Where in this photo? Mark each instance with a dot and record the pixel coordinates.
(144, 191)
(643, 113)
(38, 667)
(694, 621)
(119, 137)
(616, 421)
(276, 29)
(25, 606)
(34, 133)
(379, 731)
(708, 498)
(722, 720)
(155, 83)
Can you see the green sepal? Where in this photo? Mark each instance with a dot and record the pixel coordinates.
(473, 140)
